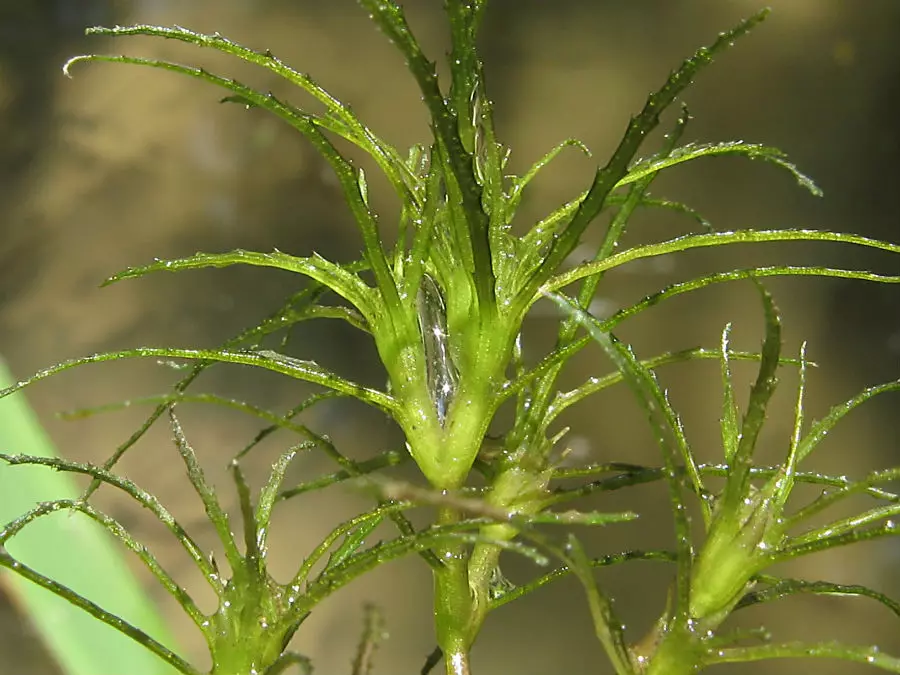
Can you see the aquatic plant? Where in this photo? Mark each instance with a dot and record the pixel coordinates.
(443, 294)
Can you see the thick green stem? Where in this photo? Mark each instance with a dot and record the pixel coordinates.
(678, 653)
(453, 603)
(514, 490)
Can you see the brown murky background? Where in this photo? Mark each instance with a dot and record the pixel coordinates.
(123, 164)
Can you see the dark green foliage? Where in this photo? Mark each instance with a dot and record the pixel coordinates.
(444, 307)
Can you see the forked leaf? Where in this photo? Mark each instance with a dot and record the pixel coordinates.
(217, 516)
(118, 531)
(692, 241)
(739, 275)
(353, 541)
(693, 151)
(344, 531)
(594, 384)
(337, 278)
(670, 205)
(279, 363)
(268, 496)
(112, 620)
(519, 184)
(845, 488)
(563, 572)
(851, 524)
(142, 497)
(793, 458)
(653, 400)
(638, 128)
(668, 434)
(842, 485)
(737, 484)
(384, 460)
(820, 429)
(308, 125)
(783, 588)
(347, 314)
(729, 422)
(619, 223)
(278, 320)
(349, 127)
(608, 628)
(871, 656)
(826, 541)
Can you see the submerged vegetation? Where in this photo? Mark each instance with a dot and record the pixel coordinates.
(443, 295)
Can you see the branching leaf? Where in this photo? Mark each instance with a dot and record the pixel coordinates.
(830, 650)
(692, 151)
(145, 499)
(692, 241)
(820, 429)
(116, 529)
(760, 394)
(667, 431)
(519, 184)
(846, 488)
(609, 629)
(279, 363)
(562, 572)
(783, 588)
(638, 128)
(742, 274)
(337, 278)
(353, 541)
(566, 399)
(98, 612)
(729, 422)
(350, 126)
(214, 511)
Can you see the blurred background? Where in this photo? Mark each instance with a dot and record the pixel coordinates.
(120, 165)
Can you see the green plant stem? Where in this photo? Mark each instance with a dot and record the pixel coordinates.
(677, 653)
(483, 562)
(453, 602)
(516, 490)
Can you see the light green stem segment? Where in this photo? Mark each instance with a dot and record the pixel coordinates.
(453, 601)
(678, 654)
(462, 587)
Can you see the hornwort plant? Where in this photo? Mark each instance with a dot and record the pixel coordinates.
(444, 298)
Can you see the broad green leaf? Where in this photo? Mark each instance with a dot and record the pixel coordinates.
(73, 551)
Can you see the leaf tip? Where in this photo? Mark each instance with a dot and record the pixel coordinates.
(67, 66)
